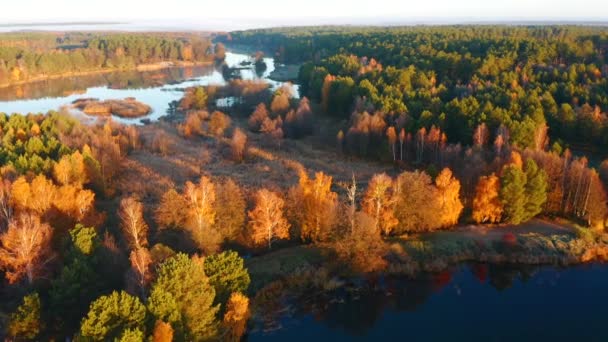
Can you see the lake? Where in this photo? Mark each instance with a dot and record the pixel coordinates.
(158, 88)
(469, 303)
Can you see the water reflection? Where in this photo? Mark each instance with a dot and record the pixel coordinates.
(468, 302)
(158, 88)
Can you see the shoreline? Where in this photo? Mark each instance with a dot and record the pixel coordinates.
(138, 68)
(539, 242)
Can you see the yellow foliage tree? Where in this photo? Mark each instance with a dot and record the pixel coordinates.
(378, 203)
(315, 206)
(266, 220)
(487, 207)
(448, 194)
(71, 169)
(236, 316)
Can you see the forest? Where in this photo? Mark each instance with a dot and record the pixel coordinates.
(403, 151)
(34, 56)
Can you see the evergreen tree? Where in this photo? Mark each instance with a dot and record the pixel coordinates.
(227, 274)
(183, 297)
(535, 190)
(110, 316)
(513, 193)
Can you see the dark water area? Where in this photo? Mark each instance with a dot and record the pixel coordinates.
(468, 303)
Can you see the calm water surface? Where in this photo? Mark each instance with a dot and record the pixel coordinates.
(470, 303)
(158, 89)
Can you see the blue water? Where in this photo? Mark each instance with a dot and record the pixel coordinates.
(545, 304)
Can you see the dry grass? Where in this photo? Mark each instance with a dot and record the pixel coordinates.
(188, 158)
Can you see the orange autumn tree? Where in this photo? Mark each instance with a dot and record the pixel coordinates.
(378, 203)
(163, 332)
(487, 207)
(314, 207)
(169, 213)
(134, 228)
(42, 194)
(266, 220)
(236, 316)
(448, 195)
(25, 248)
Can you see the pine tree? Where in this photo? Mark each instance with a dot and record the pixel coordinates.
(513, 193)
(536, 190)
(227, 274)
(183, 297)
(109, 316)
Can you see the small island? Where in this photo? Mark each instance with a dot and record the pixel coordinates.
(127, 108)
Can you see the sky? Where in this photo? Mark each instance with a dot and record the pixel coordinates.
(237, 14)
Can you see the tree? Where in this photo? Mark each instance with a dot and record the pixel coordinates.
(391, 135)
(487, 207)
(363, 249)
(266, 220)
(183, 297)
(315, 207)
(236, 316)
(71, 169)
(448, 194)
(238, 145)
(227, 274)
(81, 279)
(110, 316)
(378, 203)
(513, 193)
(25, 249)
(218, 123)
(280, 102)
(257, 117)
(170, 212)
(202, 214)
(535, 190)
(416, 204)
(132, 335)
(199, 98)
(230, 207)
(6, 205)
(25, 323)
(163, 332)
(141, 269)
(134, 228)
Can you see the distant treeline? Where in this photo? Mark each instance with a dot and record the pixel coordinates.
(456, 78)
(29, 56)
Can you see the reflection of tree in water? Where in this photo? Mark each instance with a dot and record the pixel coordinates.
(356, 310)
(502, 277)
(66, 86)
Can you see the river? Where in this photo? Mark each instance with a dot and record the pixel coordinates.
(468, 303)
(158, 88)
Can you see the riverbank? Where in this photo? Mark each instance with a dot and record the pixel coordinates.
(139, 67)
(539, 242)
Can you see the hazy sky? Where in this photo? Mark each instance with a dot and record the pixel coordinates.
(248, 13)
